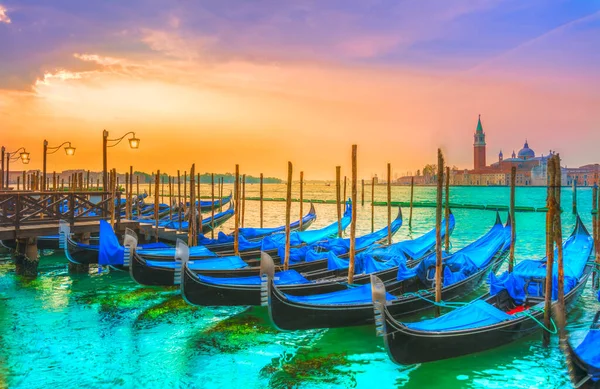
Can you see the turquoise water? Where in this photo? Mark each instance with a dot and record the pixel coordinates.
(104, 331)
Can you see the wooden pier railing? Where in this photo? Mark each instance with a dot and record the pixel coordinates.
(19, 209)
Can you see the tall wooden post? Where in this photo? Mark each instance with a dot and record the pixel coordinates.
(301, 198)
(345, 198)
(362, 193)
(447, 212)
(562, 319)
(513, 226)
(192, 210)
(127, 195)
(288, 206)
(199, 208)
(389, 202)
(353, 223)
(185, 207)
(261, 200)
(18, 183)
(337, 200)
(574, 197)
(412, 192)
(170, 199)
(372, 204)
(150, 184)
(595, 228)
(156, 183)
(88, 180)
(162, 190)
(212, 205)
(243, 198)
(236, 191)
(438, 234)
(179, 205)
(54, 182)
(549, 249)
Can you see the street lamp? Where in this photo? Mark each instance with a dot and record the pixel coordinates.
(134, 143)
(23, 155)
(69, 150)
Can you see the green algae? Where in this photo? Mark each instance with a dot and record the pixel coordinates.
(167, 310)
(290, 371)
(234, 334)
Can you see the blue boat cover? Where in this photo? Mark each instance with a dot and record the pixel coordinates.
(174, 224)
(221, 263)
(356, 295)
(281, 278)
(341, 246)
(195, 251)
(467, 261)
(476, 314)
(110, 251)
(254, 233)
(378, 258)
(576, 251)
(589, 353)
(221, 238)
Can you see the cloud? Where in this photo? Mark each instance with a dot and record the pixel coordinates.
(4, 16)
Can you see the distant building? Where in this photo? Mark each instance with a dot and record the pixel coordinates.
(531, 169)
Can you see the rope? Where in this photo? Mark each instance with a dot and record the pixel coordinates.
(554, 331)
(445, 304)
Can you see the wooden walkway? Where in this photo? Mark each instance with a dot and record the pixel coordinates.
(33, 230)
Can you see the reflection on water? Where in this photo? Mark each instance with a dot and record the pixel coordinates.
(102, 330)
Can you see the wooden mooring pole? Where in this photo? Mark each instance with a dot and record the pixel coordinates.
(447, 212)
(595, 232)
(362, 193)
(156, 218)
(243, 198)
(389, 203)
(353, 222)
(192, 219)
(212, 205)
(549, 249)
(412, 192)
(199, 208)
(337, 200)
(345, 198)
(236, 191)
(179, 205)
(261, 200)
(513, 225)
(372, 204)
(288, 206)
(562, 317)
(301, 198)
(438, 234)
(574, 197)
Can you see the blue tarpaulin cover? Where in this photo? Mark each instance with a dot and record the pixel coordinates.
(221, 263)
(356, 295)
(174, 224)
(477, 314)
(253, 233)
(281, 278)
(110, 251)
(576, 250)
(589, 352)
(378, 258)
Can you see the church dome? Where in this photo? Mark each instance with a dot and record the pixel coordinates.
(526, 152)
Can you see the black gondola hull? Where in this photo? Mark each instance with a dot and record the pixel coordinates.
(406, 346)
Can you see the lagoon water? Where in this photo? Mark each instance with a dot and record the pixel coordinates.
(101, 330)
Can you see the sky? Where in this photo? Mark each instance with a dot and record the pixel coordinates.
(259, 83)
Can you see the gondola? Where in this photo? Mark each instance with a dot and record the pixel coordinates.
(583, 360)
(410, 285)
(201, 289)
(147, 269)
(513, 309)
(87, 254)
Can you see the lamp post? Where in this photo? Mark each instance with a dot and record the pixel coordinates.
(134, 143)
(69, 150)
(23, 156)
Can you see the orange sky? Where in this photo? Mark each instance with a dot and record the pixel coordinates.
(187, 107)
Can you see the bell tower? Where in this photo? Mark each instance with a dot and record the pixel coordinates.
(479, 147)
